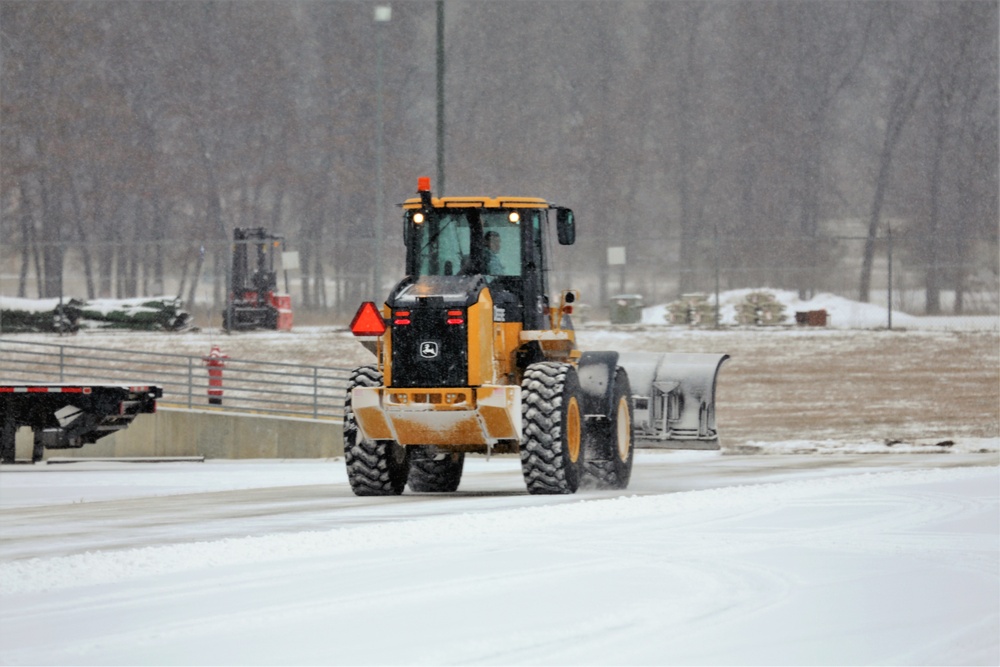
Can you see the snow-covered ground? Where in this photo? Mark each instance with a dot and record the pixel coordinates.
(845, 543)
(850, 558)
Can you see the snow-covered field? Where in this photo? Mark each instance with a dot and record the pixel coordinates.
(707, 559)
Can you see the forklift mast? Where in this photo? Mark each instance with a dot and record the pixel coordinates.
(254, 286)
(253, 301)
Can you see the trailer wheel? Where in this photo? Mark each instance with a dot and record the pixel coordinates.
(8, 439)
(374, 467)
(434, 470)
(37, 449)
(551, 442)
(612, 441)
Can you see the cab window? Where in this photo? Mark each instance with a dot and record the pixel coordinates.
(467, 241)
(442, 245)
(501, 245)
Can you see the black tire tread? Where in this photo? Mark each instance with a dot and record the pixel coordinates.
(434, 470)
(368, 465)
(603, 468)
(543, 462)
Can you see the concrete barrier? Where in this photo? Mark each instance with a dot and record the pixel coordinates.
(214, 435)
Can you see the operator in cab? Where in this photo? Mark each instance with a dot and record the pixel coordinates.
(494, 266)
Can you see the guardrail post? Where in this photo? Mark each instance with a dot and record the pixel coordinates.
(190, 382)
(62, 363)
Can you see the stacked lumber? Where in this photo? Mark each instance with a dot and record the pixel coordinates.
(693, 310)
(760, 309)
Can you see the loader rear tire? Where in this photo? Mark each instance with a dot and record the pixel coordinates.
(612, 441)
(374, 467)
(434, 470)
(552, 421)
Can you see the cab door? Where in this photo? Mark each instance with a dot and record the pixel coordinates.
(535, 269)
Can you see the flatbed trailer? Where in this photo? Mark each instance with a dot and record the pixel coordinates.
(69, 416)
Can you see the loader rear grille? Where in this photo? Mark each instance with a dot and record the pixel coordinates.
(429, 347)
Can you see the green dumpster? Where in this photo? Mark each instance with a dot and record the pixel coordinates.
(626, 309)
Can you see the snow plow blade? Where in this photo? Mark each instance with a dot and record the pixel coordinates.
(674, 399)
(440, 416)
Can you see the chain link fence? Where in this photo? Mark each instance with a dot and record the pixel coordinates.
(824, 273)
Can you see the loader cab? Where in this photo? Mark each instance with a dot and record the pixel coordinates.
(504, 240)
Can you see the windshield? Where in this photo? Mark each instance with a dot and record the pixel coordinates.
(467, 241)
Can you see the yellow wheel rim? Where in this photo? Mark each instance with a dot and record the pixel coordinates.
(624, 429)
(573, 430)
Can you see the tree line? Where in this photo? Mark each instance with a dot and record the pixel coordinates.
(137, 134)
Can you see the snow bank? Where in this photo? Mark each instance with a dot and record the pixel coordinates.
(842, 313)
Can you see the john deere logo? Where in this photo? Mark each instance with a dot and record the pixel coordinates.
(429, 349)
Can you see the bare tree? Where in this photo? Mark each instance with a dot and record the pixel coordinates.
(136, 135)
(906, 60)
(963, 45)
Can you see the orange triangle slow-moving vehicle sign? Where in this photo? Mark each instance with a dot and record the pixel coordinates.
(368, 321)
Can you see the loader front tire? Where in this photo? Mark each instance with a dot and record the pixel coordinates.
(552, 428)
(374, 467)
(612, 441)
(434, 470)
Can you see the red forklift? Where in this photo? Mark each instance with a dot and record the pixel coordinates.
(253, 301)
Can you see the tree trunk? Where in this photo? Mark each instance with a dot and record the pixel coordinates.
(106, 253)
(319, 283)
(906, 89)
(305, 261)
(159, 247)
(809, 214)
(51, 250)
(185, 265)
(27, 240)
(932, 277)
(195, 277)
(81, 234)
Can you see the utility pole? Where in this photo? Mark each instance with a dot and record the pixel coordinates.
(888, 230)
(715, 234)
(383, 14)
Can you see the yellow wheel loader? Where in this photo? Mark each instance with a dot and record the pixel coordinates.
(474, 355)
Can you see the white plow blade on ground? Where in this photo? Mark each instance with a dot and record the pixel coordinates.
(674, 396)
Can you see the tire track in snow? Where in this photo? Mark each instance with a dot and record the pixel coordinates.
(106, 566)
(705, 557)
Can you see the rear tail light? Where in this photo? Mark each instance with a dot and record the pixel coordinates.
(401, 317)
(456, 317)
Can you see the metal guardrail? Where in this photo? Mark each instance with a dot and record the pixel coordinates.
(265, 387)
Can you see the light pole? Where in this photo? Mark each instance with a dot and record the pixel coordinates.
(383, 14)
(440, 97)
